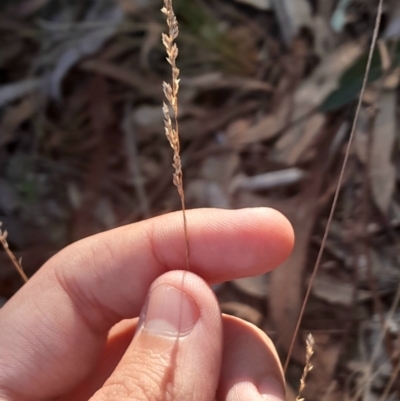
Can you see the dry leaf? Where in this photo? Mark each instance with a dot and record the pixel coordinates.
(242, 311)
(11, 92)
(253, 286)
(383, 172)
(148, 116)
(269, 180)
(339, 17)
(325, 78)
(212, 190)
(204, 193)
(309, 97)
(334, 393)
(133, 6)
(128, 77)
(220, 168)
(213, 80)
(266, 128)
(9, 199)
(285, 284)
(259, 4)
(335, 291)
(290, 149)
(87, 45)
(312, 92)
(324, 38)
(237, 132)
(392, 30)
(101, 120)
(29, 7)
(292, 15)
(361, 137)
(14, 117)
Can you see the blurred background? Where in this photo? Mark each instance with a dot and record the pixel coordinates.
(267, 100)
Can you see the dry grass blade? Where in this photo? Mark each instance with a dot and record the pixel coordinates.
(375, 352)
(337, 192)
(14, 260)
(368, 373)
(391, 382)
(171, 94)
(308, 366)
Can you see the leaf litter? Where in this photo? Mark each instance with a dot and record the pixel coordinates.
(82, 150)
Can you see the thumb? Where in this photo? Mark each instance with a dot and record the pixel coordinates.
(176, 352)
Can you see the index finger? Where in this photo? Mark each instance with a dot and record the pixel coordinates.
(60, 319)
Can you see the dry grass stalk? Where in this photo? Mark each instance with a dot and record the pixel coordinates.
(14, 260)
(171, 93)
(340, 181)
(308, 367)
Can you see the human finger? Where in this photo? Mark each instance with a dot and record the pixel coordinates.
(176, 352)
(53, 331)
(251, 370)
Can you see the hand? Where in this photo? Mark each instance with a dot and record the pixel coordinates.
(73, 332)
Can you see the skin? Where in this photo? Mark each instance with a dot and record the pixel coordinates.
(73, 333)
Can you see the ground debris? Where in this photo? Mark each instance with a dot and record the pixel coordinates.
(266, 103)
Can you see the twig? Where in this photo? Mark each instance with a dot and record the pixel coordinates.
(14, 260)
(171, 93)
(343, 169)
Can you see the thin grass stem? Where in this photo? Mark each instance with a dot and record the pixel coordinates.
(171, 94)
(340, 181)
(12, 257)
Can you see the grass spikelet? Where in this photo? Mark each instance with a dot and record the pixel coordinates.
(171, 94)
(308, 367)
(14, 260)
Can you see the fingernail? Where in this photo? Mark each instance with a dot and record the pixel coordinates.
(170, 312)
(272, 390)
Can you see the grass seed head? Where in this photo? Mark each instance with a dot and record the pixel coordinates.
(171, 94)
(308, 366)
